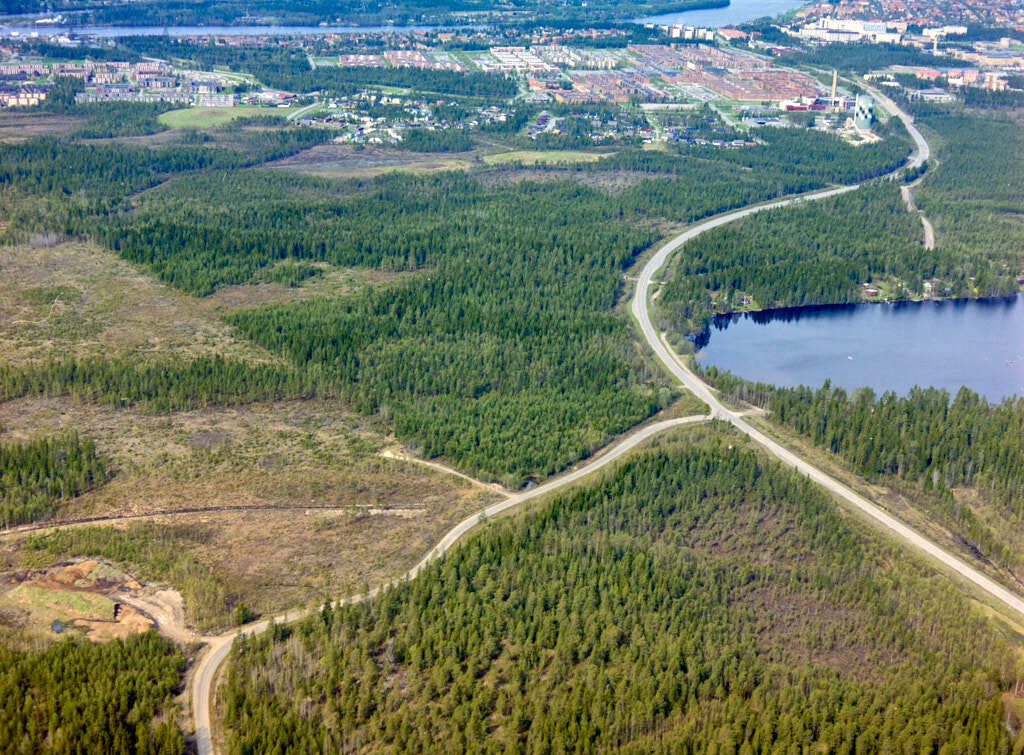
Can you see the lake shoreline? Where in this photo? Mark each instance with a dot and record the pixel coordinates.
(946, 343)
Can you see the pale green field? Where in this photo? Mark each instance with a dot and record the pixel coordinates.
(206, 117)
(47, 605)
(541, 157)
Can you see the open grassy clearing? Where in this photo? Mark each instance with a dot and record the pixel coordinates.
(208, 117)
(20, 126)
(294, 501)
(77, 298)
(544, 157)
(287, 454)
(349, 161)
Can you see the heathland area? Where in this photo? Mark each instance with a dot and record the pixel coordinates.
(227, 348)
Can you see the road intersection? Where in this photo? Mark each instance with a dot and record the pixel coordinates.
(204, 675)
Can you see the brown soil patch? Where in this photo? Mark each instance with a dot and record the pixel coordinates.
(128, 621)
(87, 595)
(612, 181)
(800, 627)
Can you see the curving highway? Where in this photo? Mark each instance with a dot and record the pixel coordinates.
(205, 672)
(641, 310)
(206, 669)
(718, 410)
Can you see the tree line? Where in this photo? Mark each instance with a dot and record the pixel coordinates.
(821, 253)
(37, 474)
(973, 198)
(159, 386)
(77, 696)
(620, 617)
(926, 439)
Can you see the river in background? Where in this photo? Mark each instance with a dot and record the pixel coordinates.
(111, 32)
(974, 342)
(737, 12)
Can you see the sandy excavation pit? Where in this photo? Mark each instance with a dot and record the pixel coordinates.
(90, 597)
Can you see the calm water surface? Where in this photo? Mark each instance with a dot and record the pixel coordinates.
(737, 12)
(110, 32)
(977, 343)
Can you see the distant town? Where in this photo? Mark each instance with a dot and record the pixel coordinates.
(728, 78)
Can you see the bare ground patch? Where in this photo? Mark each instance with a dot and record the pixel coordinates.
(799, 627)
(612, 181)
(89, 597)
(22, 126)
(345, 160)
(78, 298)
(284, 503)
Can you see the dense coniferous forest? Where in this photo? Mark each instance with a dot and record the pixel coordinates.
(503, 354)
(66, 170)
(160, 386)
(447, 140)
(77, 697)
(820, 254)
(192, 236)
(815, 157)
(109, 119)
(526, 275)
(696, 601)
(925, 439)
(34, 476)
(974, 196)
(862, 58)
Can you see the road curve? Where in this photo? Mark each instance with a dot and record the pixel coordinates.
(923, 152)
(205, 671)
(641, 310)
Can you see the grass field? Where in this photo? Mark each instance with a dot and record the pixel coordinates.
(545, 157)
(60, 604)
(207, 117)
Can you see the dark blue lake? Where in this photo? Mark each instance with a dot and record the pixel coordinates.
(978, 343)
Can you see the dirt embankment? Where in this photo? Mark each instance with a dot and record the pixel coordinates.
(90, 597)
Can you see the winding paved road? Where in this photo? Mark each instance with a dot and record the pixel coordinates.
(641, 310)
(719, 411)
(204, 675)
(206, 669)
